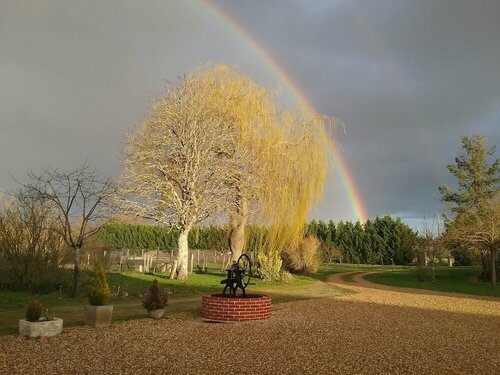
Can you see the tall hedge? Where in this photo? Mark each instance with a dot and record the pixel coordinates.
(137, 237)
(377, 241)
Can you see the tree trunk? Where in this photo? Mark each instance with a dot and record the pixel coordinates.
(236, 237)
(183, 256)
(485, 265)
(493, 269)
(238, 222)
(76, 273)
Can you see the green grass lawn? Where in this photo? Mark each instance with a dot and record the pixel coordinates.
(447, 279)
(185, 297)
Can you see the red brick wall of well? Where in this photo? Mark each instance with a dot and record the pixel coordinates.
(237, 309)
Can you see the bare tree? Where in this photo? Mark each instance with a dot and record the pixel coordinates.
(78, 198)
(430, 248)
(174, 169)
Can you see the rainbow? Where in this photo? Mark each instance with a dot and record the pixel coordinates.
(345, 176)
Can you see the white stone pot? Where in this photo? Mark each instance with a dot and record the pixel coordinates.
(98, 315)
(156, 314)
(40, 328)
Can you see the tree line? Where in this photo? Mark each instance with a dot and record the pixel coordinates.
(382, 240)
(379, 241)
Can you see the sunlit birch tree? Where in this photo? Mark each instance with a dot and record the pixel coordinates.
(174, 168)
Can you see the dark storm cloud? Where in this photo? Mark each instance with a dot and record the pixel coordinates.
(407, 78)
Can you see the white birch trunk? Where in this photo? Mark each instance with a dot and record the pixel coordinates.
(183, 256)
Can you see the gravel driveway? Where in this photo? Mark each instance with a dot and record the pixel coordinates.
(373, 331)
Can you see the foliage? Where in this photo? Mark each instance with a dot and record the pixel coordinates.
(31, 251)
(98, 293)
(331, 253)
(304, 256)
(479, 230)
(155, 299)
(216, 143)
(377, 241)
(34, 310)
(137, 237)
(475, 204)
(465, 256)
(285, 277)
(269, 265)
(276, 152)
(477, 180)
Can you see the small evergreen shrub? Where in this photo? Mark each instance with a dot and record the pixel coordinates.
(156, 298)
(34, 310)
(98, 293)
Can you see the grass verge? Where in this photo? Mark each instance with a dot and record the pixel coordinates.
(447, 279)
(185, 297)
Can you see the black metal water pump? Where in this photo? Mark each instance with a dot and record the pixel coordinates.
(238, 276)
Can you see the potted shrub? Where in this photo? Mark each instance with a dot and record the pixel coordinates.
(37, 326)
(155, 301)
(98, 312)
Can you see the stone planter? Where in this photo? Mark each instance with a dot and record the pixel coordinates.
(42, 328)
(156, 314)
(98, 315)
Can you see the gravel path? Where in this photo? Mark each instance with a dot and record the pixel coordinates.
(418, 298)
(373, 331)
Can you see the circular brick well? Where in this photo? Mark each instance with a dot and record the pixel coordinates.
(222, 308)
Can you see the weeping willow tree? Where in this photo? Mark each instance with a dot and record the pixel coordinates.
(277, 164)
(299, 168)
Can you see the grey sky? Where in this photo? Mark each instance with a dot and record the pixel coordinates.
(408, 78)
